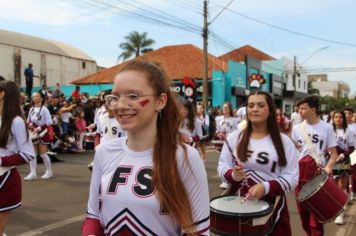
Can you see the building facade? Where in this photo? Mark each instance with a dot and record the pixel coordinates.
(52, 61)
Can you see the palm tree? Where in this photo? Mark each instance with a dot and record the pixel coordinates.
(135, 44)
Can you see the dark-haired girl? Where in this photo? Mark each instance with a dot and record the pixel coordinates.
(345, 146)
(260, 162)
(15, 149)
(190, 128)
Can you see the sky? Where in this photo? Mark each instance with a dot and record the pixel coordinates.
(320, 33)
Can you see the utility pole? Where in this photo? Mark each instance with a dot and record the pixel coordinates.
(295, 80)
(205, 60)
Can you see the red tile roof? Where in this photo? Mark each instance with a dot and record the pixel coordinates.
(179, 61)
(239, 54)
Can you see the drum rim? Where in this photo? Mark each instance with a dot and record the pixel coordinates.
(242, 234)
(242, 215)
(320, 185)
(217, 141)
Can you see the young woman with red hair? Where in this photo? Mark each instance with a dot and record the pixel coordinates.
(150, 182)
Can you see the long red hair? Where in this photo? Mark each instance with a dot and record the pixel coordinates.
(166, 180)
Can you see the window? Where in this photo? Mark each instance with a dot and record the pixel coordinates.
(299, 83)
(83, 65)
(305, 85)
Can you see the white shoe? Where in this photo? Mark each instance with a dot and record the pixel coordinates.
(30, 176)
(224, 185)
(352, 196)
(340, 219)
(47, 175)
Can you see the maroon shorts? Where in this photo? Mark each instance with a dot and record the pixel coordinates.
(10, 190)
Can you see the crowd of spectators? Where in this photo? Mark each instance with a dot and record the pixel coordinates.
(71, 118)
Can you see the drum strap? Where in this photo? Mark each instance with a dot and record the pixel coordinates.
(309, 144)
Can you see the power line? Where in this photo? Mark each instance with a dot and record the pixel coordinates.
(288, 30)
(148, 18)
(186, 6)
(227, 5)
(160, 14)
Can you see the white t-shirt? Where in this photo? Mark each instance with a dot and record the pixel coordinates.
(39, 116)
(98, 113)
(226, 124)
(352, 128)
(295, 118)
(121, 194)
(18, 141)
(322, 137)
(262, 165)
(186, 132)
(344, 139)
(65, 116)
(109, 128)
(241, 114)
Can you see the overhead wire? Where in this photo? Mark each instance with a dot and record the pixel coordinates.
(288, 30)
(186, 26)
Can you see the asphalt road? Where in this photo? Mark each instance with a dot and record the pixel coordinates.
(57, 206)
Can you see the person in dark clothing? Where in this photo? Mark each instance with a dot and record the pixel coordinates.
(29, 80)
(89, 112)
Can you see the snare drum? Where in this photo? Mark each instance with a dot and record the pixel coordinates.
(89, 141)
(230, 216)
(322, 197)
(218, 144)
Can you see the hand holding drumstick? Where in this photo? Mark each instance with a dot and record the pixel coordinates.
(238, 174)
(255, 192)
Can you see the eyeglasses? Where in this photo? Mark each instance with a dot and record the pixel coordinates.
(131, 99)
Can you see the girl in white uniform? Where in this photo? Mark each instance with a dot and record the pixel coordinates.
(345, 146)
(203, 120)
(261, 162)
(190, 127)
(150, 182)
(226, 123)
(39, 119)
(15, 149)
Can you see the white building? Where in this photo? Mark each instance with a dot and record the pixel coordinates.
(297, 91)
(292, 92)
(335, 89)
(53, 61)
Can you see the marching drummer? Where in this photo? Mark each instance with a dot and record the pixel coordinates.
(313, 136)
(351, 124)
(225, 125)
(345, 146)
(259, 162)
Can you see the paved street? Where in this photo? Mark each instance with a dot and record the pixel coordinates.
(57, 206)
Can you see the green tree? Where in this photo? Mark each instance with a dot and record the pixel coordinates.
(135, 44)
(312, 90)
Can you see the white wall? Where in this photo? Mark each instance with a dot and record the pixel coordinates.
(53, 69)
(59, 68)
(7, 62)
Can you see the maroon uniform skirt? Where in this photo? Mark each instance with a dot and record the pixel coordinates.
(10, 190)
